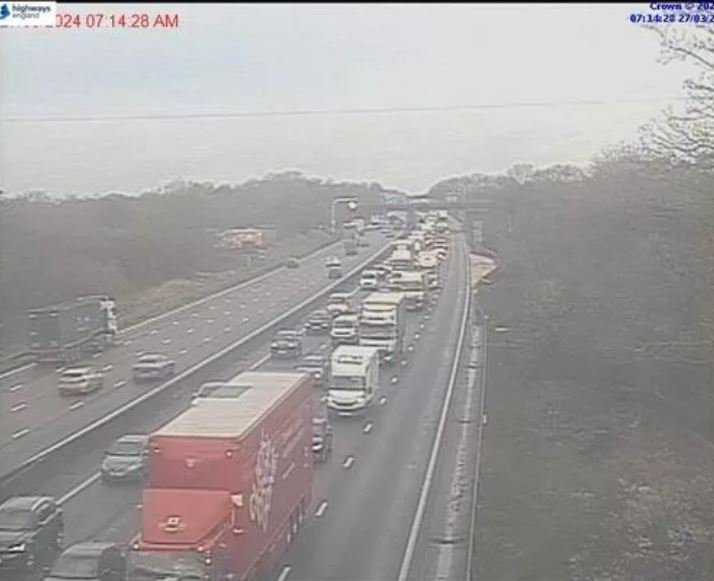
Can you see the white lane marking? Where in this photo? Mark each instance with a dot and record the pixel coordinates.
(79, 488)
(368, 427)
(212, 308)
(107, 368)
(16, 387)
(395, 379)
(189, 331)
(207, 339)
(153, 332)
(127, 342)
(227, 313)
(227, 329)
(245, 319)
(484, 419)
(321, 509)
(417, 336)
(176, 323)
(410, 348)
(96, 356)
(259, 362)
(285, 572)
(60, 369)
(18, 407)
(119, 384)
(348, 462)
(139, 353)
(76, 405)
(421, 325)
(242, 305)
(166, 341)
(18, 370)
(211, 321)
(20, 433)
(383, 400)
(194, 314)
(404, 362)
(183, 351)
(322, 347)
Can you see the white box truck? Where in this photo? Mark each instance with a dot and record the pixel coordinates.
(413, 284)
(382, 322)
(354, 379)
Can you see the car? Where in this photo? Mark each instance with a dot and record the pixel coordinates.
(90, 561)
(321, 438)
(369, 279)
(31, 532)
(441, 253)
(152, 367)
(317, 366)
(318, 321)
(126, 459)
(80, 381)
(432, 280)
(286, 343)
(339, 304)
(292, 262)
(333, 261)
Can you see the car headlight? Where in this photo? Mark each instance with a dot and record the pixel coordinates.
(17, 548)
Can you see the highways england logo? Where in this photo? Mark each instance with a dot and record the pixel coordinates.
(27, 14)
(266, 467)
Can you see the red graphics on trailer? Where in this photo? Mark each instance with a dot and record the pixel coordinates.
(229, 481)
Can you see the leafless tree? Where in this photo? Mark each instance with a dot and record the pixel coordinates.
(686, 136)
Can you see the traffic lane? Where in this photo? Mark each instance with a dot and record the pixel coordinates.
(310, 268)
(363, 533)
(442, 547)
(31, 431)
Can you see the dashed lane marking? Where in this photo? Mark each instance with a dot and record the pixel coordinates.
(348, 462)
(321, 509)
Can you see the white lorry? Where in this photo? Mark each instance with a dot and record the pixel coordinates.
(413, 284)
(401, 259)
(354, 379)
(382, 322)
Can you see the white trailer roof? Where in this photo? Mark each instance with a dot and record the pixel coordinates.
(383, 298)
(233, 418)
(352, 359)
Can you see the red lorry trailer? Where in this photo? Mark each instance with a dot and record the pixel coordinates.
(229, 482)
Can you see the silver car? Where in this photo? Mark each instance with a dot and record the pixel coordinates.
(80, 381)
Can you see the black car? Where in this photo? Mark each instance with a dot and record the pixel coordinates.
(126, 459)
(321, 438)
(317, 366)
(31, 529)
(318, 321)
(286, 343)
(90, 561)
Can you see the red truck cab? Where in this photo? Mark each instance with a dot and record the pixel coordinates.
(229, 482)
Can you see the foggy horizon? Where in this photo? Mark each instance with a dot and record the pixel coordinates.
(329, 58)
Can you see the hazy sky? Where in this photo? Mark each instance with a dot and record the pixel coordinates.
(254, 58)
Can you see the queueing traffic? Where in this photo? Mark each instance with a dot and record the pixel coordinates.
(226, 484)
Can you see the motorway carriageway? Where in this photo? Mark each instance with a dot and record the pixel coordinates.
(32, 414)
(364, 498)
